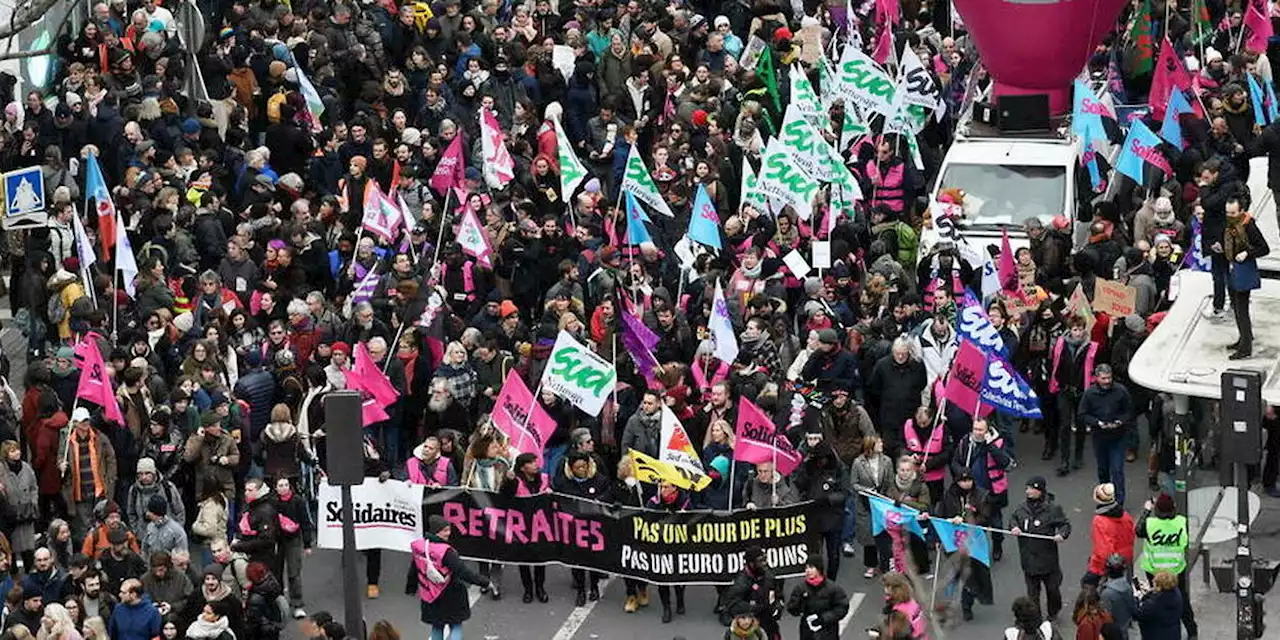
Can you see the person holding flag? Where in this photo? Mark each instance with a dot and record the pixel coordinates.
(982, 455)
(966, 503)
(1040, 525)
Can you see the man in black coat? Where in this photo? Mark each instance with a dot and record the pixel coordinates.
(1106, 409)
(1041, 568)
(893, 392)
(756, 590)
(831, 366)
(1216, 188)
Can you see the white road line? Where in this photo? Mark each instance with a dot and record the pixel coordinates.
(579, 615)
(854, 602)
(473, 595)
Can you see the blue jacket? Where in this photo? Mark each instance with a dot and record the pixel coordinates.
(1159, 615)
(135, 622)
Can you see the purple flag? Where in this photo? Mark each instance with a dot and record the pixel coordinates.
(639, 341)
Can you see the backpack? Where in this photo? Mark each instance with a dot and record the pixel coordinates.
(273, 107)
(908, 243)
(55, 310)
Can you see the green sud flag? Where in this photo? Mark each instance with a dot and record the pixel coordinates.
(572, 173)
(1201, 26)
(1141, 56)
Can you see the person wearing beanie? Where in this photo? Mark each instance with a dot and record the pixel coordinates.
(1041, 566)
(1113, 531)
(163, 533)
(1166, 536)
(754, 592)
(440, 578)
(149, 486)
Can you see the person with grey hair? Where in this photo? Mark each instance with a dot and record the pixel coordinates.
(213, 296)
(364, 326)
(1106, 409)
(894, 390)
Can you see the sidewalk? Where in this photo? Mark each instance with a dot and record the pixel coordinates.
(1216, 612)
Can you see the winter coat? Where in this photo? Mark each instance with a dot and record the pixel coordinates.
(452, 606)
(45, 446)
(1159, 615)
(203, 453)
(258, 388)
(845, 427)
(827, 601)
(164, 535)
(1113, 532)
(761, 494)
(642, 433)
(283, 451)
(135, 621)
(821, 478)
(297, 511)
(263, 617)
(210, 523)
(19, 505)
(175, 588)
(893, 390)
(1117, 597)
(106, 465)
(863, 478)
(135, 507)
(1043, 517)
(264, 533)
(754, 589)
(596, 486)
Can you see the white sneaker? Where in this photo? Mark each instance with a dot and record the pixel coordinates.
(1213, 314)
(299, 613)
(848, 549)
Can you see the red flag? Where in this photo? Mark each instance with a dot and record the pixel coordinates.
(94, 385)
(884, 44)
(1008, 274)
(760, 441)
(451, 172)
(1169, 73)
(1260, 29)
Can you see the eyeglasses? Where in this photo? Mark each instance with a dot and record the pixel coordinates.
(277, 332)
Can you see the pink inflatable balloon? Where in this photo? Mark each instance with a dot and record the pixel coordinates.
(1037, 46)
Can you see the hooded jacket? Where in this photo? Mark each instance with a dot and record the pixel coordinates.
(1043, 517)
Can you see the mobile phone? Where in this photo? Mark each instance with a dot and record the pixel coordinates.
(873, 633)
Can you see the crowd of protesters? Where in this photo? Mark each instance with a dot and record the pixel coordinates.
(192, 517)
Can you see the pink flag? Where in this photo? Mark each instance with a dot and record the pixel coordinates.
(888, 11)
(964, 383)
(1260, 29)
(451, 172)
(884, 44)
(1007, 273)
(474, 239)
(381, 216)
(526, 430)
(375, 387)
(94, 385)
(760, 441)
(1169, 73)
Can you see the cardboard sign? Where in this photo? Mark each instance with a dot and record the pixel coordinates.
(1113, 298)
(1079, 305)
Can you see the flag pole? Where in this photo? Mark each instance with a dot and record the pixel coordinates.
(733, 466)
(937, 568)
(444, 211)
(115, 286)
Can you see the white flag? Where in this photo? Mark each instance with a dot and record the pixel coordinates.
(499, 168)
(572, 173)
(578, 375)
(675, 446)
(474, 239)
(83, 247)
(125, 261)
(918, 84)
(722, 328)
(639, 183)
(782, 180)
(750, 194)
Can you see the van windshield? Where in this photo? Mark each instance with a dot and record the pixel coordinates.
(1002, 194)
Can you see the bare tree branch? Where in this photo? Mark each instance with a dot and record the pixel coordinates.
(25, 16)
(15, 29)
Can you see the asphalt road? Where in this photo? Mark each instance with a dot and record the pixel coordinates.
(509, 618)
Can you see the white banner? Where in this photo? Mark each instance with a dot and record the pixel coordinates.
(388, 515)
(863, 82)
(578, 375)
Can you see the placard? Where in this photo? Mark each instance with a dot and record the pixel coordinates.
(1114, 299)
(388, 515)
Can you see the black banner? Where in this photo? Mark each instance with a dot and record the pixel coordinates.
(691, 547)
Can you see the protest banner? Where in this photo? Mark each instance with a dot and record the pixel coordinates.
(578, 375)
(975, 541)
(526, 431)
(654, 471)
(388, 515)
(684, 548)
(1113, 298)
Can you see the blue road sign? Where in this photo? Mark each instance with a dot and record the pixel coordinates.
(24, 191)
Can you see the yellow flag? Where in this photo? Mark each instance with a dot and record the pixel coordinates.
(653, 471)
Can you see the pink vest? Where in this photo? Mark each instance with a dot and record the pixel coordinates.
(439, 475)
(468, 278)
(699, 378)
(999, 477)
(522, 489)
(1058, 347)
(912, 611)
(888, 186)
(931, 448)
(429, 591)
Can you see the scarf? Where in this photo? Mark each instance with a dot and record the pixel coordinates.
(221, 592)
(903, 485)
(408, 360)
(814, 581)
(752, 274)
(1236, 240)
(15, 466)
(203, 629)
(749, 632)
(99, 487)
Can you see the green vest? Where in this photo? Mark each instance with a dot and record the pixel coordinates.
(1166, 545)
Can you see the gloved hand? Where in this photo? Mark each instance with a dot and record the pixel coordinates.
(813, 622)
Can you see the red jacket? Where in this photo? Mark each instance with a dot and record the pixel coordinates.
(1111, 535)
(48, 438)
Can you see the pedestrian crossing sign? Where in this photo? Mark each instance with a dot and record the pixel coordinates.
(23, 192)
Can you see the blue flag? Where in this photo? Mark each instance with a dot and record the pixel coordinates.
(973, 540)
(1086, 115)
(1141, 148)
(1098, 169)
(1006, 390)
(1171, 129)
(1259, 100)
(637, 233)
(704, 223)
(973, 325)
(1273, 110)
(884, 514)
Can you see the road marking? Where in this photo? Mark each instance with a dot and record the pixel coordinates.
(473, 595)
(579, 615)
(854, 602)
